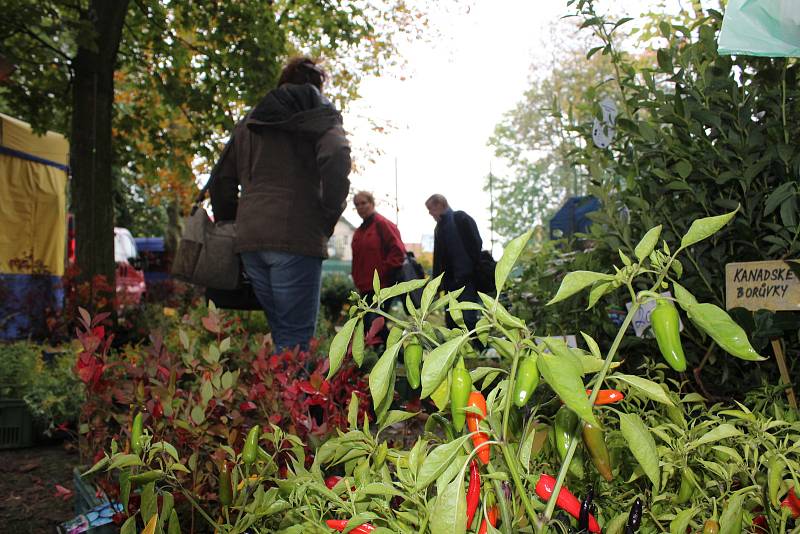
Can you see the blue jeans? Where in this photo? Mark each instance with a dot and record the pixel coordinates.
(287, 286)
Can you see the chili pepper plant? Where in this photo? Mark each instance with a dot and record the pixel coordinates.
(501, 453)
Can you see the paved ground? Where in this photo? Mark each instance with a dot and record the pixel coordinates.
(28, 497)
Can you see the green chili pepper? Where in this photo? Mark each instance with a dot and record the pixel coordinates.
(687, 487)
(566, 422)
(136, 434)
(774, 478)
(146, 477)
(412, 358)
(593, 439)
(250, 450)
(225, 488)
(526, 381)
(459, 395)
(665, 321)
(711, 527)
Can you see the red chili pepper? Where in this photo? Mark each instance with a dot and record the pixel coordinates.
(492, 514)
(760, 524)
(606, 396)
(793, 498)
(332, 480)
(340, 524)
(565, 500)
(792, 502)
(476, 400)
(473, 491)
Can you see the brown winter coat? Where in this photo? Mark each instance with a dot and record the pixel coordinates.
(291, 158)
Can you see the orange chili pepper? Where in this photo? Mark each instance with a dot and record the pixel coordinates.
(476, 400)
(606, 396)
(492, 515)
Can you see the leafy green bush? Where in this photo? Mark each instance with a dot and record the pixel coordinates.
(18, 368)
(335, 293)
(55, 396)
(46, 381)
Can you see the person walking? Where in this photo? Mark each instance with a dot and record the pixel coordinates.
(456, 251)
(291, 159)
(377, 246)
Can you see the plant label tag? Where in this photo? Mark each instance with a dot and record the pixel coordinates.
(763, 285)
(603, 131)
(641, 321)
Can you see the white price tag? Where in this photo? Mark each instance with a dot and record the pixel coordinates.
(641, 321)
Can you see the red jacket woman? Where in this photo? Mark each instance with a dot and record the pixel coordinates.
(376, 245)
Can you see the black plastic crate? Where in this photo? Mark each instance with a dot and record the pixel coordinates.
(16, 424)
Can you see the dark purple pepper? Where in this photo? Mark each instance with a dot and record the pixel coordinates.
(635, 517)
(586, 510)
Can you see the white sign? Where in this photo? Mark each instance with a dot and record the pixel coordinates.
(603, 131)
(641, 321)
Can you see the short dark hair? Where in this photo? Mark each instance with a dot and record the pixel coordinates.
(303, 69)
(437, 199)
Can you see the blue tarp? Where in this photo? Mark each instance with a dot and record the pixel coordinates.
(149, 244)
(571, 217)
(152, 249)
(26, 301)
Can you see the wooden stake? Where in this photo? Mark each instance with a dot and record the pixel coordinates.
(777, 348)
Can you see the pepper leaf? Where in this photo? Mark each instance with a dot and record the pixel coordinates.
(648, 243)
(352, 412)
(649, 388)
(706, 227)
(575, 281)
(438, 362)
(450, 510)
(642, 445)
(403, 287)
(723, 431)
(563, 374)
(358, 343)
(429, 293)
(731, 337)
(437, 461)
(339, 346)
(730, 522)
(684, 298)
(510, 256)
(441, 395)
(129, 527)
(381, 375)
(681, 521)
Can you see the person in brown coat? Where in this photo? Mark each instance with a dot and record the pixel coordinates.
(283, 177)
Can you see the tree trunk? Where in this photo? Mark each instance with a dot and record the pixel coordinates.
(91, 153)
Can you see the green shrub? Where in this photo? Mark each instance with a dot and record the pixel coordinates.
(17, 368)
(46, 381)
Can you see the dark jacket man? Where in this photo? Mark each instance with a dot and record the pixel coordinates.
(291, 158)
(456, 249)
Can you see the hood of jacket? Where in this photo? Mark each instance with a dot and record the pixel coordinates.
(295, 108)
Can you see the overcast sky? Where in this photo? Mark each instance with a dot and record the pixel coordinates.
(456, 91)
